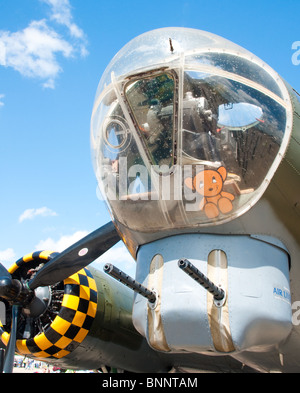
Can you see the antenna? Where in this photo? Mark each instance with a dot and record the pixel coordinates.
(171, 45)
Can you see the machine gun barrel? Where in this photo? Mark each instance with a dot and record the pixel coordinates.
(198, 276)
(116, 273)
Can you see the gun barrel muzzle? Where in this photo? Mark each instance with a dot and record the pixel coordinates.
(130, 282)
(198, 276)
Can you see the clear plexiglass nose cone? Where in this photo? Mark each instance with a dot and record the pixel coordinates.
(187, 131)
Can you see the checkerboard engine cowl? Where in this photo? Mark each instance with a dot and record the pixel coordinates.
(70, 326)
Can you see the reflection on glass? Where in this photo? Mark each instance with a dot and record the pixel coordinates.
(238, 66)
(239, 115)
(115, 134)
(151, 101)
(229, 123)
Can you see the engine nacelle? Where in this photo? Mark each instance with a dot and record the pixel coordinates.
(85, 322)
(69, 311)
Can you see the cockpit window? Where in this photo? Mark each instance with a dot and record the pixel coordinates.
(231, 124)
(151, 101)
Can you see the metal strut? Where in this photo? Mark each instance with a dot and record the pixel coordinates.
(129, 282)
(204, 281)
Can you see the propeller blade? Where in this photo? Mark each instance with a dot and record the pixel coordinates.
(76, 257)
(4, 272)
(11, 347)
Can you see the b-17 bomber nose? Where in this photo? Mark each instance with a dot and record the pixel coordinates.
(186, 136)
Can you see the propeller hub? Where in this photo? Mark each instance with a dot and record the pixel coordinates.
(14, 291)
(9, 288)
(39, 303)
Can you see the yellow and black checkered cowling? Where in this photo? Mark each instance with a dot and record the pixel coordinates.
(71, 325)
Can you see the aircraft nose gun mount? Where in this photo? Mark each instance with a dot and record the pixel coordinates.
(218, 293)
(119, 275)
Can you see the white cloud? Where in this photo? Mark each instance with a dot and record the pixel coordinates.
(61, 13)
(2, 53)
(62, 243)
(1, 98)
(7, 255)
(34, 51)
(119, 256)
(29, 214)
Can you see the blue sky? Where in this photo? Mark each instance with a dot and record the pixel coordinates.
(52, 55)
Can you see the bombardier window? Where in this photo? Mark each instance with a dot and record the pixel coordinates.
(232, 124)
(187, 139)
(152, 104)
